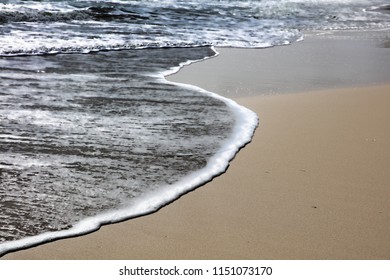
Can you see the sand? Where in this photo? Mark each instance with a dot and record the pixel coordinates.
(313, 184)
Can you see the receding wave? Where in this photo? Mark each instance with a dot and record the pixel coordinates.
(85, 136)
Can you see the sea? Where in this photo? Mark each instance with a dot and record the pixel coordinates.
(91, 132)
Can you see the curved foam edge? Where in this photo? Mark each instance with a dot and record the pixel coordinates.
(245, 125)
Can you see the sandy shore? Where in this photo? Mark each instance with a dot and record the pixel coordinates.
(313, 184)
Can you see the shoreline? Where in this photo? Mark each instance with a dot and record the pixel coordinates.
(322, 61)
(312, 184)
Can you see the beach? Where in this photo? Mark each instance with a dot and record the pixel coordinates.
(312, 184)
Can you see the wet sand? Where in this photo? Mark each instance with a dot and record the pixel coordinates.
(313, 183)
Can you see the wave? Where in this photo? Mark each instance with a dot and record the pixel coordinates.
(98, 13)
(147, 201)
(52, 27)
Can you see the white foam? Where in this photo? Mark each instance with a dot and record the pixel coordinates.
(249, 24)
(245, 125)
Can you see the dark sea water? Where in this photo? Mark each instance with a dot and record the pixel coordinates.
(92, 133)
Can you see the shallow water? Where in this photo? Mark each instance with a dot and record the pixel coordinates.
(81, 134)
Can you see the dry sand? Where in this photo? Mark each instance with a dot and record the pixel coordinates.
(313, 184)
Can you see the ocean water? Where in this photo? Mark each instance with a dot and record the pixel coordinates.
(90, 131)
